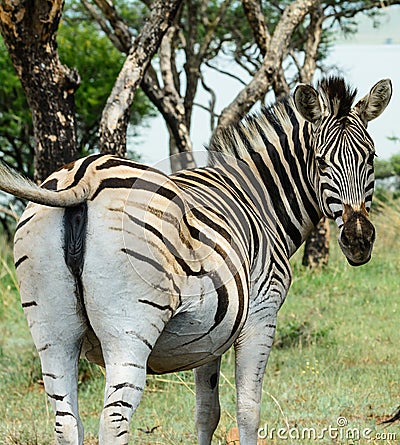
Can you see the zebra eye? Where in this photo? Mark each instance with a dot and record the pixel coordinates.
(371, 158)
(322, 164)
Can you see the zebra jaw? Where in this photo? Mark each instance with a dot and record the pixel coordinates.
(357, 236)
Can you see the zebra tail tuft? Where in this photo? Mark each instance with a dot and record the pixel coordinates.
(18, 185)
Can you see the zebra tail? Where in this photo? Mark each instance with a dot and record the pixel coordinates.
(16, 184)
(394, 418)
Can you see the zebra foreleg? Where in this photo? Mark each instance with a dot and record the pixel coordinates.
(207, 400)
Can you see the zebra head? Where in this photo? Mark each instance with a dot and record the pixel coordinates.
(342, 157)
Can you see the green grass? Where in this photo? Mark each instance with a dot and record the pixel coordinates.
(336, 355)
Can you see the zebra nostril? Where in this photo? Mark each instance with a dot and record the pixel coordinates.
(369, 233)
(344, 238)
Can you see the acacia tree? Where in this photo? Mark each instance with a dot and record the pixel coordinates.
(29, 30)
(202, 31)
(263, 38)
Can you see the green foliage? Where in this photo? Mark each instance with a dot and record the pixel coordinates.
(134, 12)
(387, 174)
(296, 334)
(16, 130)
(387, 168)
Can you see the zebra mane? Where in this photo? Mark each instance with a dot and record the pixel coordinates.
(251, 133)
(272, 122)
(338, 96)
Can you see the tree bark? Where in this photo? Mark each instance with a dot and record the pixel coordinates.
(316, 249)
(256, 19)
(115, 117)
(171, 107)
(181, 145)
(306, 72)
(29, 30)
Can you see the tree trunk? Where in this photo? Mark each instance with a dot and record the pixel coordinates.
(115, 118)
(316, 249)
(29, 31)
(255, 17)
(172, 110)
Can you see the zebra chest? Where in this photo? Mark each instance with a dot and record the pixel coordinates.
(202, 329)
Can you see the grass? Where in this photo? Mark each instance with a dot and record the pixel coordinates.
(336, 358)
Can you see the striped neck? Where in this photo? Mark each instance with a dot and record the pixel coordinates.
(272, 152)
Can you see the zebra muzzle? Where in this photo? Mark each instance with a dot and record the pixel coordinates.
(357, 236)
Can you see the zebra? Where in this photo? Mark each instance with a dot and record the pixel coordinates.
(143, 272)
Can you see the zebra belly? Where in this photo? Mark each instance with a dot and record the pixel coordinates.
(191, 339)
(184, 343)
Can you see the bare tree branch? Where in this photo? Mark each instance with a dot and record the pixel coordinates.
(341, 12)
(293, 15)
(121, 45)
(244, 66)
(182, 142)
(279, 83)
(121, 30)
(256, 19)
(10, 212)
(226, 73)
(210, 30)
(195, 53)
(314, 35)
(212, 102)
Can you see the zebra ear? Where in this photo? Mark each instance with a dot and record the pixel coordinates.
(307, 102)
(373, 104)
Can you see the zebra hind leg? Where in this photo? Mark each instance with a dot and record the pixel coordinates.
(126, 349)
(57, 327)
(51, 298)
(60, 376)
(125, 382)
(207, 400)
(57, 330)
